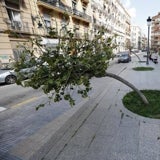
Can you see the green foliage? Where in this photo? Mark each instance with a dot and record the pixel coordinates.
(57, 70)
(143, 68)
(133, 102)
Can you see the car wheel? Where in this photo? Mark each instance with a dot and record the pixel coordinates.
(10, 79)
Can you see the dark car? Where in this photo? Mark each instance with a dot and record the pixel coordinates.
(124, 57)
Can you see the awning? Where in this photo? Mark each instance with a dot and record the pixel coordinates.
(49, 41)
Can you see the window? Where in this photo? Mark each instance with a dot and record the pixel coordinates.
(84, 9)
(47, 20)
(64, 21)
(14, 13)
(108, 10)
(15, 19)
(74, 4)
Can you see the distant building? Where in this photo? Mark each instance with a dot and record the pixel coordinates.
(144, 42)
(155, 32)
(114, 18)
(136, 37)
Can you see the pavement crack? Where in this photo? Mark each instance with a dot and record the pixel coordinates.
(109, 107)
(74, 133)
(122, 115)
(93, 137)
(122, 70)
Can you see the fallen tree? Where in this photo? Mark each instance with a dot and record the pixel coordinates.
(72, 62)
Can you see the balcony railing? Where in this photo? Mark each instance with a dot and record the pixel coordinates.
(18, 26)
(58, 4)
(65, 8)
(81, 14)
(98, 22)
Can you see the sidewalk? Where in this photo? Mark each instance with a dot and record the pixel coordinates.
(102, 129)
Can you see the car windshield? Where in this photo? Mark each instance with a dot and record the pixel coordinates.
(123, 55)
(6, 67)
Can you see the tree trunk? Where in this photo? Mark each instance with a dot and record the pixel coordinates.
(136, 56)
(129, 85)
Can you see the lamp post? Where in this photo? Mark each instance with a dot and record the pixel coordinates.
(148, 24)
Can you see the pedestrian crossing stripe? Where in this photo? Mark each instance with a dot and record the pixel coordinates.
(2, 109)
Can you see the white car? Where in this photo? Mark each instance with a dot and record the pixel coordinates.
(7, 76)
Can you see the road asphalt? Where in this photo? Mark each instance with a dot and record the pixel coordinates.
(100, 127)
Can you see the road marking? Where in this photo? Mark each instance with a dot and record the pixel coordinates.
(2, 109)
(24, 102)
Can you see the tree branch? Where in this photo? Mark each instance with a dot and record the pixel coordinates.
(144, 99)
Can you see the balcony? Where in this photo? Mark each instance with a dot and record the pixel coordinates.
(81, 14)
(18, 26)
(61, 7)
(58, 5)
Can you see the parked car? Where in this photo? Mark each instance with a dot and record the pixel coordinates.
(124, 57)
(7, 76)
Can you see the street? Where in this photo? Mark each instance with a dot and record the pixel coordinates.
(19, 119)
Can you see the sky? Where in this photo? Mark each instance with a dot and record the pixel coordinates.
(140, 10)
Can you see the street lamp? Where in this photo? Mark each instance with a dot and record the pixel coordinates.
(148, 24)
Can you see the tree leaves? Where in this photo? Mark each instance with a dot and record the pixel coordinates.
(73, 62)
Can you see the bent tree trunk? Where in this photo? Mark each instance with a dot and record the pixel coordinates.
(129, 85)
(137, 56)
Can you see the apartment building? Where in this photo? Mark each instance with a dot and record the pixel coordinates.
(15, 27)
(143, 42)
(115, 20)
(22, 19)
(136, 37)
(155, 32)
(122, 27)
(72, 14)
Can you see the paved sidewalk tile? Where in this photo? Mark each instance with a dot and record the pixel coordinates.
(7, 156)
(111, 132)
(114, 133)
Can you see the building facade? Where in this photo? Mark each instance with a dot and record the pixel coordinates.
(155, 32)
(115, 19)
(15, 27)
(144, 42)
(136, 37)
(72, 14)
(21, 20)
